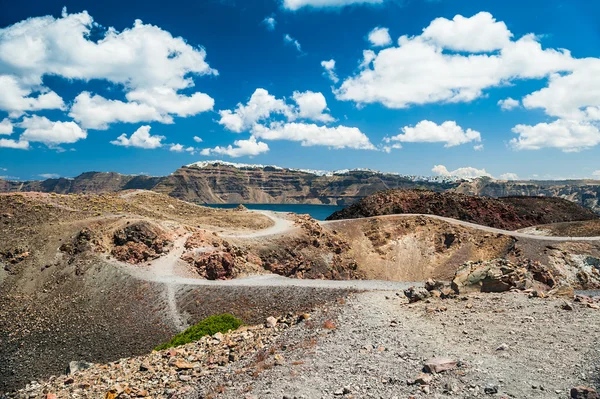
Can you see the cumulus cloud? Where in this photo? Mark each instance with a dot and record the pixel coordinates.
(197, 139)
(260, 107)
(567, 135)
(141, 138)
(6, 126)
(380, 37)
(41, 129)
(508, 176)
(574, 96)
(16, 97)
(429, 132)
(294, 5)
(49, 175)
(426, 69)
(287, 39)
(14, 144)
(329, 67)
(311, 135)
(312, 106)
(240, 148)
(480, 33)
(97, 112)
(270, 23)
(465, 173)
(509, 103)
(147, 62)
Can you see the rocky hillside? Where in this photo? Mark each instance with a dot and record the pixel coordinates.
(509, 213)
(223, 182)
(89, 182)
(583, 192)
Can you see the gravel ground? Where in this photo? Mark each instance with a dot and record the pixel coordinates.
(521, 347)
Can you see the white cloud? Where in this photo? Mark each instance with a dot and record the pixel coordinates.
(97, 112)
(260, 107)
(16, 97)
(294, 5)
(240, 148)
(509, 103)
(594, 173)
(465, 173)
(329, 67)
(480, 33)
(380, 37)
(311, 106)
(147, 62)
(197, 139)
(141, 138)
(270, 23)
(41, 129)
(176, 148)
(18, 145)
(311, 135)
(421, 70)
(478, 147)
(49, 175)
(508, 176)
(6, 126)
(158, 104)
(571, 96)
(168, 102)
(142, 56)
(429, 132)
(293, 42)
(567, 135)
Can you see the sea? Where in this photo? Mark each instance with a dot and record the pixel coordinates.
(319, 212)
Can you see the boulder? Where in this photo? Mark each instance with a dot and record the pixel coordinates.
(501, 275)
(581, 392)
(77, 365)
(439, 364)
(415, 294)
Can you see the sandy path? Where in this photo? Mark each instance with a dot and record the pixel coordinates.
(282, 224)
(517, 234)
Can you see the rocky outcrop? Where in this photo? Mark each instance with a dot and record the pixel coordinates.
(500, 275)
(509, 213)
(139, 242)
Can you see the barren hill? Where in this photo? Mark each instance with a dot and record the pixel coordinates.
(509, 213)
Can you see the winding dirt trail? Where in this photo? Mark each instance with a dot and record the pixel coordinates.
(281, 225)
(518, 234)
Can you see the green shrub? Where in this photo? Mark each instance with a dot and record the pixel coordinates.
(209, 326)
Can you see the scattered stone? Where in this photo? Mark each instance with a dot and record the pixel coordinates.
(566, 306)
(491, 389)
(415, 294)
(77, 365)
(502, 347)
(271, 322)
(581, 392)
(439, 364)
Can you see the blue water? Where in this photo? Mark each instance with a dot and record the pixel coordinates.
(319, 212)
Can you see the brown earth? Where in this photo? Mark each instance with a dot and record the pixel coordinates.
(62, 299)
(508, 213)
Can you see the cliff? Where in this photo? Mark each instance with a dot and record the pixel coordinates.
(223, 182)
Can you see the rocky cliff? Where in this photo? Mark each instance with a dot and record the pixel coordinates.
(222, 182)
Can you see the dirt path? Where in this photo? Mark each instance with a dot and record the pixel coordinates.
(379, 343)
(282, 225)
(517, 234)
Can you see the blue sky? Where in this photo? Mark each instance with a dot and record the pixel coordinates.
(75, 86)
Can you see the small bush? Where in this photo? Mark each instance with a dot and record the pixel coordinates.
(209, 326)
